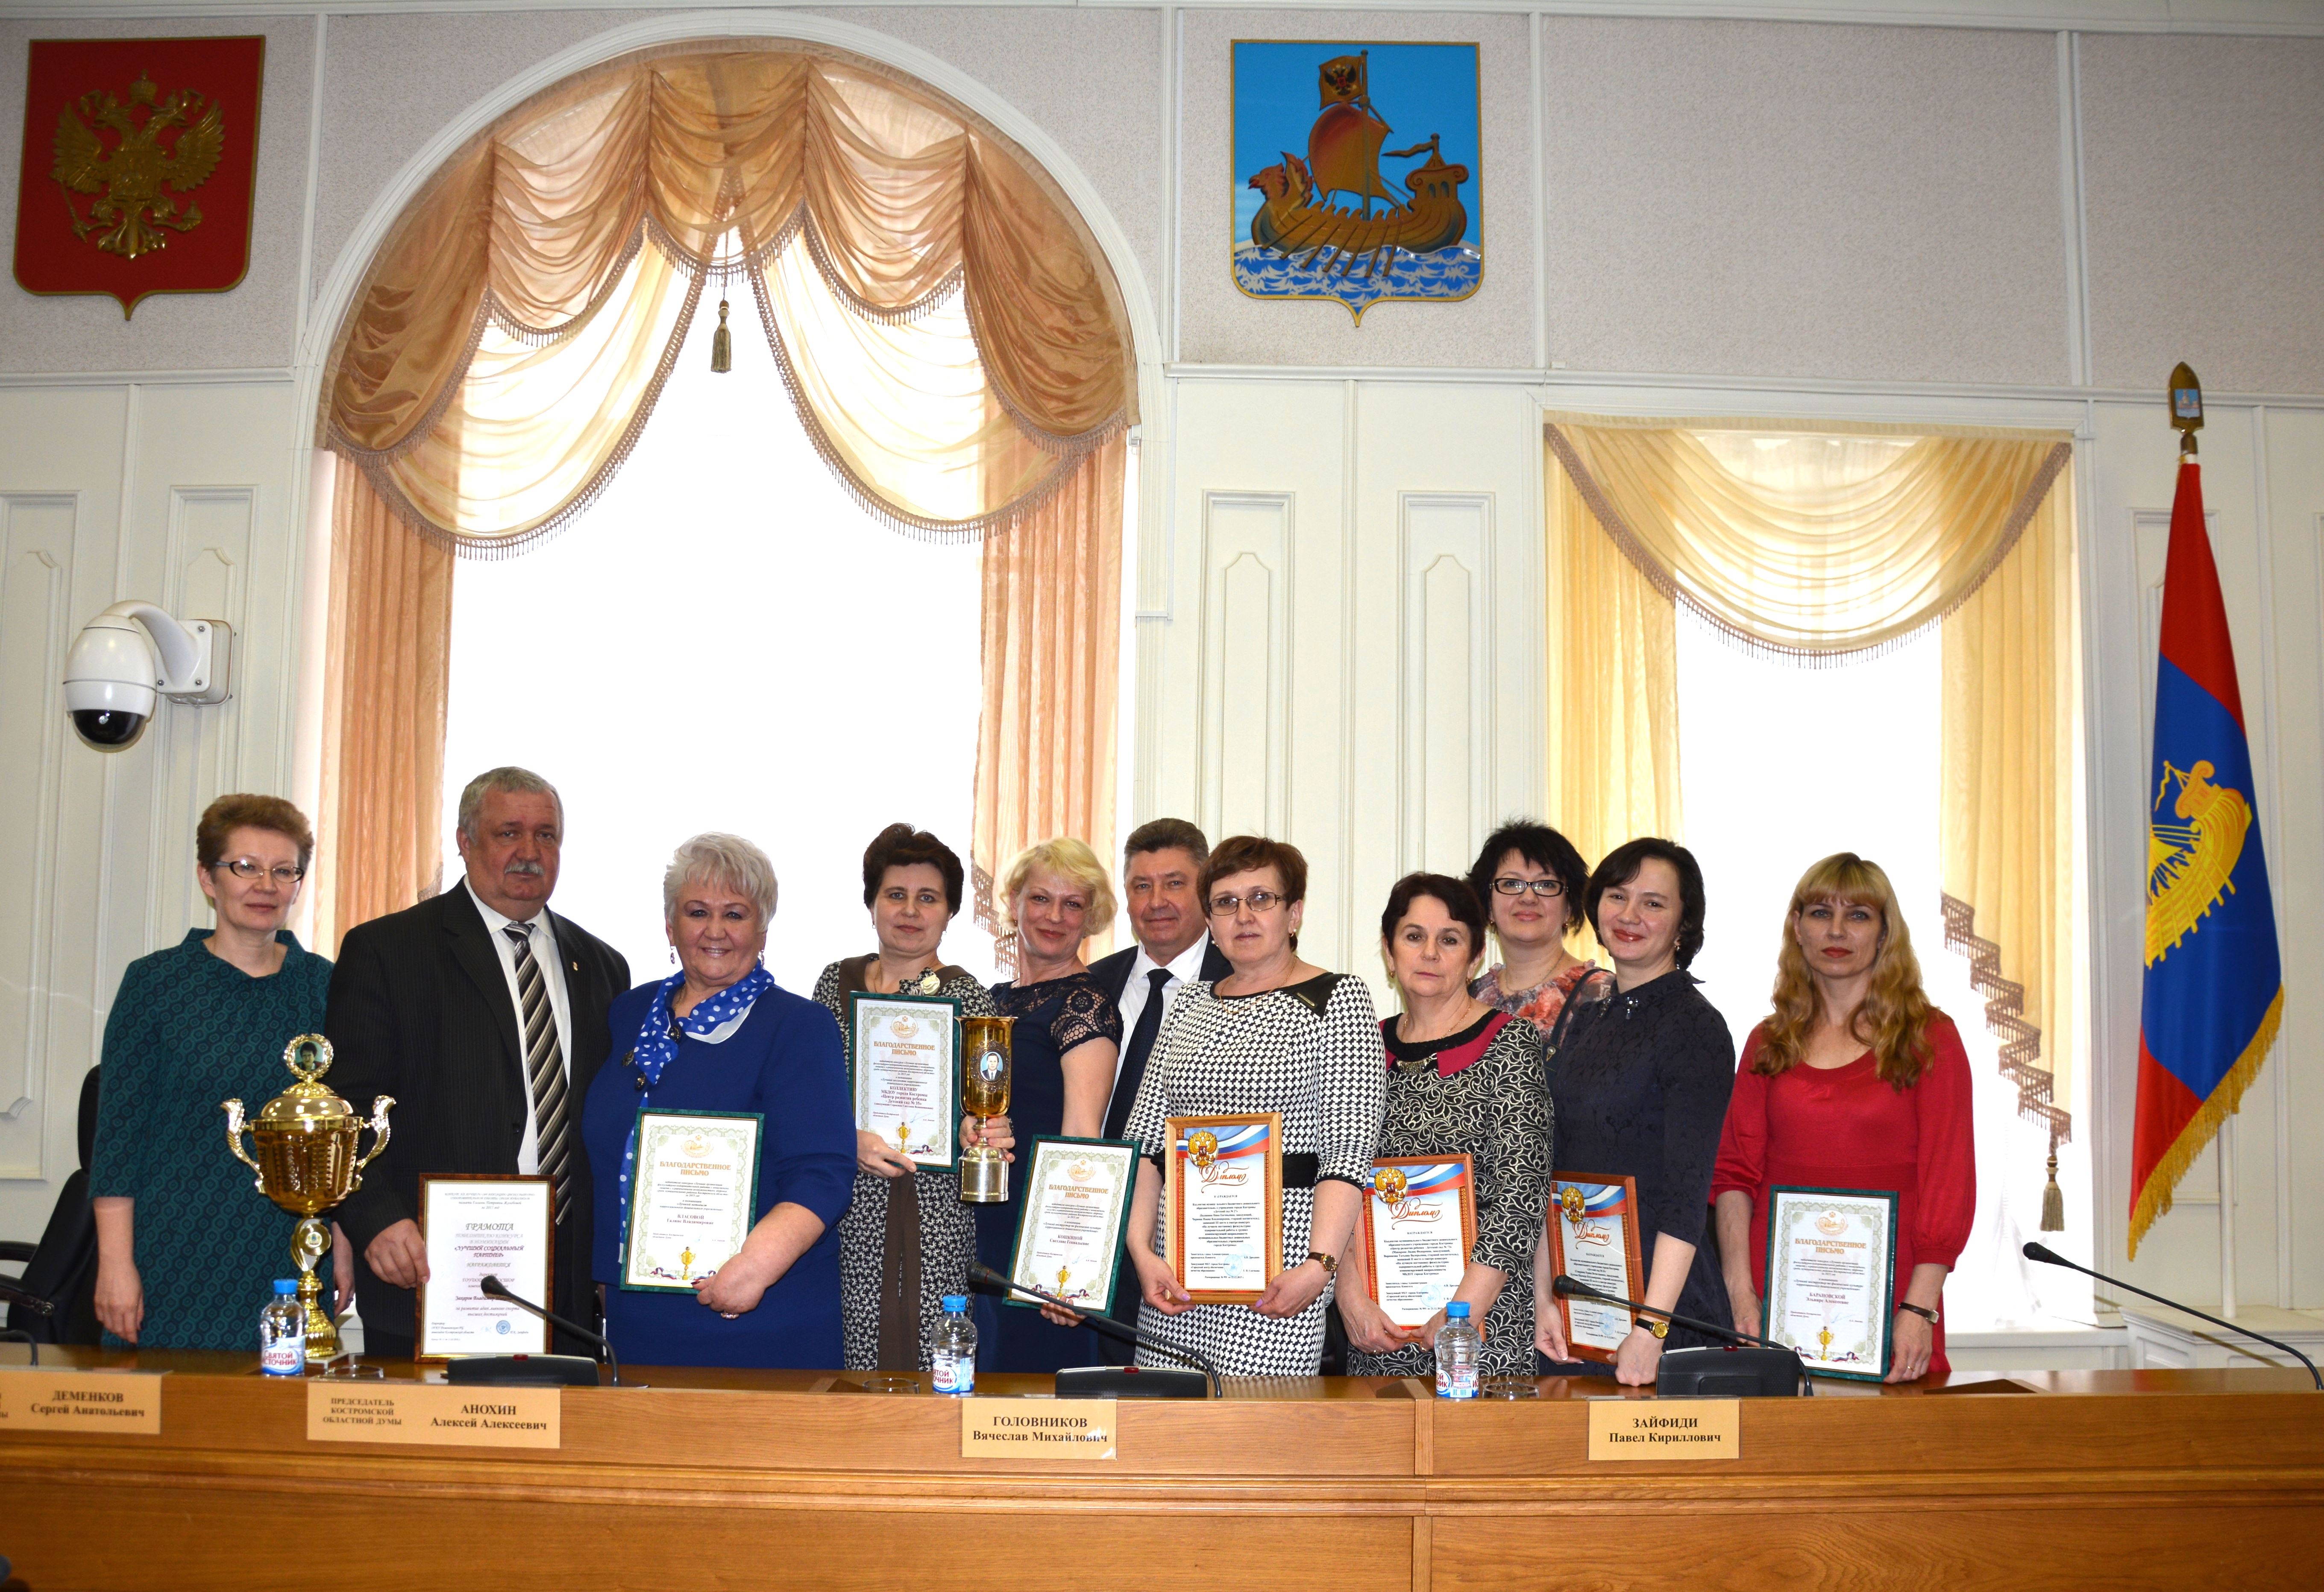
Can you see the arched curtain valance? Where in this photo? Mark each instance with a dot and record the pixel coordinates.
(1818, 547)
(950, 334)
(509, 341)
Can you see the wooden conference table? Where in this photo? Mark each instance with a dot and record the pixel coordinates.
(2169, 1479)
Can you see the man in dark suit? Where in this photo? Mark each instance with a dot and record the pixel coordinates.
(484, 1014)
(1161, 868)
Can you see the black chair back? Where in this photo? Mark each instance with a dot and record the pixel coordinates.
(62, 1266)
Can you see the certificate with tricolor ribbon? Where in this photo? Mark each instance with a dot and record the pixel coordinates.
(1420, 1222)
(1593, 1238)
(1224, 1201)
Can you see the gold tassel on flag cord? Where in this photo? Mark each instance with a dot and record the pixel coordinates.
(2053, 1198)
(722, 344)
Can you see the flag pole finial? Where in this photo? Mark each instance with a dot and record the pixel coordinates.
(2186, 407)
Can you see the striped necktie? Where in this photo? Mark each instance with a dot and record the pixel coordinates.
(542, 1067)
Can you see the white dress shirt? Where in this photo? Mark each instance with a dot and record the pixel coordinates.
(552, 968)
(1184, 967)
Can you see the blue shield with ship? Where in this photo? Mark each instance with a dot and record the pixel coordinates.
(1356, 172)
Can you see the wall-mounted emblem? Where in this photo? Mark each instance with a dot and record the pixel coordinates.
(139, 160)
(1357, 171)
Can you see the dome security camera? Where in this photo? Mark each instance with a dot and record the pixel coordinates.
(130, 657)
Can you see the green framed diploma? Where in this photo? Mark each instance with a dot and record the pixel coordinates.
(694, 1195)
(1830, 1279)
(903, 1073)
(1069, 1228)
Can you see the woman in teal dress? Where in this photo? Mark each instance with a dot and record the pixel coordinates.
(187, 1250)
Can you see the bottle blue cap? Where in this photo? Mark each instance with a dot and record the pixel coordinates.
(286, 1286)
(955, 1302)
(1457, 1311)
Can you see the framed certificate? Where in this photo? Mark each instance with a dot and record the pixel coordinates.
(903, 1071)
(479, 1227)
(1069, 1229)
(693, 1193)
(1593, 1238)
(1831, 1269)
(1224, 1197)
(1420, 1222)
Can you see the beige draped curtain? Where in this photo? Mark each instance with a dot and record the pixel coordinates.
(1817, 548)
(954, 346)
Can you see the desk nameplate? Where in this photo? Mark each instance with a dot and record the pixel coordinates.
(1666, 1429)
(34, 1399)
(1038, 1429)
(467, 1417)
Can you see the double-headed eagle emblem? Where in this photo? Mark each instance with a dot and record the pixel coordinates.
(129, 178)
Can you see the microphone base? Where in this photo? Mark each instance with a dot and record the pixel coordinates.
(1131, 1382)
(1730, 1373)
(523, 1370)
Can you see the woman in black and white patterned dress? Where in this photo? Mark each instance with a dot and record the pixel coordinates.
(1276, 1034)
(1463, 1079)
(906, 1239)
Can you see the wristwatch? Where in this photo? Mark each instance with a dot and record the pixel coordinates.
(1929, 1316)
(1330, 1263)
(1660, 1329)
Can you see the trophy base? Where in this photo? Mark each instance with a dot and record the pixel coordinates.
(309, 1241)
(983, 1177)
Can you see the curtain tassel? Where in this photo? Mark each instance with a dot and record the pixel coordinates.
(722, 344)
(2053, 1198)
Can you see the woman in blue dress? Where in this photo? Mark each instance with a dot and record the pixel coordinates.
(187, 1251)
(720, 1036)
(1063, 1047)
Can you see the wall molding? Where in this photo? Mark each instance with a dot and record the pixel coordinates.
(1228, 586)
(2239, 17)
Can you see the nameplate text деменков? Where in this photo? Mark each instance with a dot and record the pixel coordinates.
(467, 1417)
(1666, 1429)
(35, 1400)
(1038, 1429)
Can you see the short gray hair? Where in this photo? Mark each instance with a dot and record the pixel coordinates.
(727, 860)
(509, 780)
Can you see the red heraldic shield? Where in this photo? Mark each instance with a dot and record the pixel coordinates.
(138, 156)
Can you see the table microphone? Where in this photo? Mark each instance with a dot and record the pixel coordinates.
(1682, 1374)
(978, 1272)
(31, 1301)
(491, 1287)
(2049, 1256)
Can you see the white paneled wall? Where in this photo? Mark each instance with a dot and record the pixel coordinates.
(177, 491)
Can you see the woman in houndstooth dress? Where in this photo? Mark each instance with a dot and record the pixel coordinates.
(1276, 1034)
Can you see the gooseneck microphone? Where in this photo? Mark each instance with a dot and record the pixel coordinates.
(2049, 1256)
(491, 1287)
(1756, 1365)
(23, 1301)
(978, 1272)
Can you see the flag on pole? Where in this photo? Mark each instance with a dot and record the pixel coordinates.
(2214, 986)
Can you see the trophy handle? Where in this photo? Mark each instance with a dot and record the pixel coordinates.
(379, 1106)
(233, 1110)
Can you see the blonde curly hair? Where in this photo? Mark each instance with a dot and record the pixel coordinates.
(1893, 1022)
(1072, 860)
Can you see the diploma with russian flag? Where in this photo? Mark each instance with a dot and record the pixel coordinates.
(1420, 1222)
(1224, 1205)
(1593, 1238)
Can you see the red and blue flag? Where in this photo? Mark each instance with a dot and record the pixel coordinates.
(2214, 985)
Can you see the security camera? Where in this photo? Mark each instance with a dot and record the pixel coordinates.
(132, 654)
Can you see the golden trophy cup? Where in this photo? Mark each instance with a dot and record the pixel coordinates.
(985, 1071)
(306, 1141)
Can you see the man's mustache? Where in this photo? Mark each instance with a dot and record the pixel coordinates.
(524, 865)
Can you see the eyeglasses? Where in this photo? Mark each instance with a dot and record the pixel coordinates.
(252, 869)
(1549, 888)
(1259, 901)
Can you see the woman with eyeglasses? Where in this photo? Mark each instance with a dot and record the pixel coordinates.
(186, 1253)
(1276, 1034)
(1531, 880)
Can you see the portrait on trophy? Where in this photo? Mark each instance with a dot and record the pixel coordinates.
(986, 1071)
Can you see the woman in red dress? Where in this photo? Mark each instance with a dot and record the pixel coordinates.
(1856, 1082)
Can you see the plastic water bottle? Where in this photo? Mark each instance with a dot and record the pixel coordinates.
(283, 1331)
(955, 1356)
(1458, 1350)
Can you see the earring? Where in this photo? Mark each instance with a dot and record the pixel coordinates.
(673, 956)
